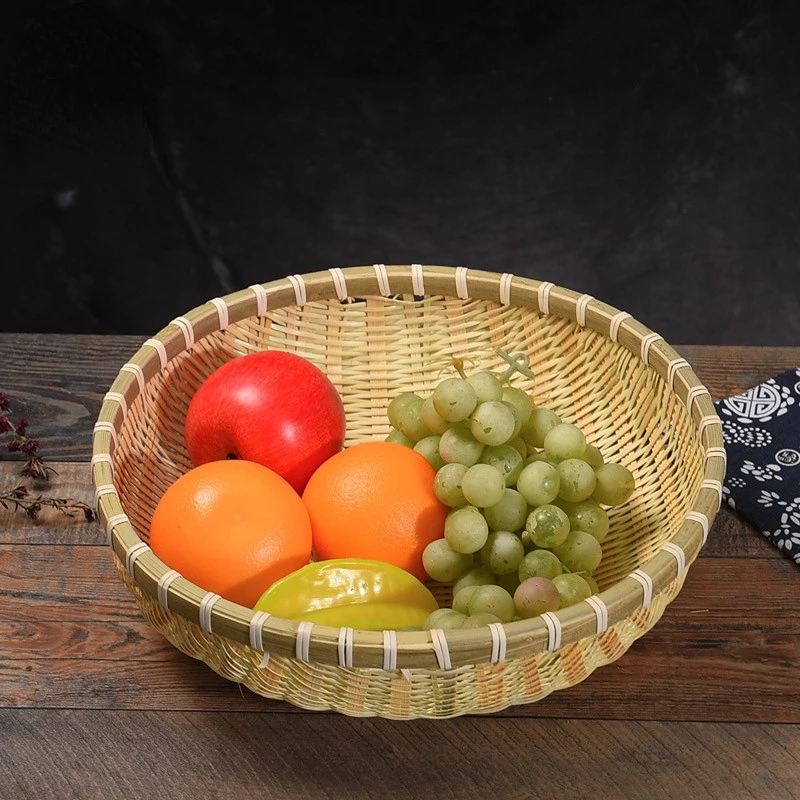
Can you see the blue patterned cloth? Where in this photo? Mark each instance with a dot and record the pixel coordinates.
(761, 429)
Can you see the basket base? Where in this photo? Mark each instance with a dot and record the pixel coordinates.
(407, 694)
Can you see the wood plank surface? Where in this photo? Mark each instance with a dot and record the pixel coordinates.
(58, 381)
(51, 755)
(693, 709)
(719, 678)
(72, 480)
(66, 604)
(727, 371)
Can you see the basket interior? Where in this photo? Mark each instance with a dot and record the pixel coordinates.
(375, 347)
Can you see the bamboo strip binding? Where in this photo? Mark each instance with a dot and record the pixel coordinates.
(626, 381)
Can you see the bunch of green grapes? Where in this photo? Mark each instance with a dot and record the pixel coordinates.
(528, 496)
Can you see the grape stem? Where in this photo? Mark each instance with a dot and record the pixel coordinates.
(519, 362)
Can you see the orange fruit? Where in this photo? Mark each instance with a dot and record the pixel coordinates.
(375, 500)
(232, 527)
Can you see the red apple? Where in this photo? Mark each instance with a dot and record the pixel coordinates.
(274, 408)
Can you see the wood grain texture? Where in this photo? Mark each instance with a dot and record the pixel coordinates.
(727, 371)
(691, 709)
(72, 480)
(715, 678)
(51, 755)
(732, 535)
(73, 638)
(58, 381)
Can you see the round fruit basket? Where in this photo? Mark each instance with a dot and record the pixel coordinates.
(377, 331)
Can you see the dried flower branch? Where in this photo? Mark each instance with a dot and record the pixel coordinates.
(20, 499)
(15, 433)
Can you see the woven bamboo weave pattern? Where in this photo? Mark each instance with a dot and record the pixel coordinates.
(378, 331)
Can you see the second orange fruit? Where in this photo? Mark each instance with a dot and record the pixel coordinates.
(375, 500)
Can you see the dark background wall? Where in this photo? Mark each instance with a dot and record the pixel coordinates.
(644, 151)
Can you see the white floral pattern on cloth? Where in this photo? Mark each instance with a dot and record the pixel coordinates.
(762, 403)
(733, 433)
(770, 472)
(761, 431)
(769, 499)
(788, 532)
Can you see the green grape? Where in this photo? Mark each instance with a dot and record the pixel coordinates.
(483, 485)
(502, 552)
(442, 563)
(466, 530)
(520, 400)
(451, 621)
(447, 485)
(492, 600)
(454, 399)
(477, 576)
(547, 526)
(563, 504)
(577, 480)
(564, 441)
(479, 620)
(539, 564)
(459, 446)
(591, 581)
(434, 616)
(579, 552)
(509, 582)
(429, 449)
(506, 460)
(486, 386)
(539, 455)
(517, 420)
(519, 445)
(539, 423)
(399, 438)
(493, 423)
(430, 416)
(539, 483)
(527, 542)
(593, 457)
(509, 514)
(397, 404)
(534, 596)
(571, 589)
(462, 597)
(615, 485)
(588, 516)
(410, 421)
(444, 618)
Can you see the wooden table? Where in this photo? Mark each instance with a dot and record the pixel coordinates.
(94, 703)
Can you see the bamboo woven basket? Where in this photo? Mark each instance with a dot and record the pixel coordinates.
(376, 331)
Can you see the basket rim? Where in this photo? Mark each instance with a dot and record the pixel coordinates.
(443, 650)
